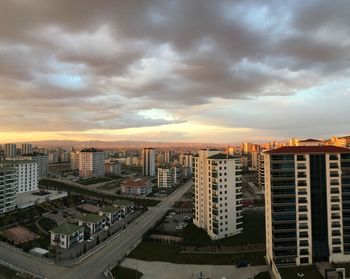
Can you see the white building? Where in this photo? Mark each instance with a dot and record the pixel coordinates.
(307, 205)
(148, 162)
(67, 235)
(42, 161)
(26, 148)
(138, 187)
(166, 177)
(27, 172)
(74, 160)
(218, 193)
(91, 163)
(10, 150)
(93, 223)
(8, 189)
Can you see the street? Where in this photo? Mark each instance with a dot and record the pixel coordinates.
(94, 265)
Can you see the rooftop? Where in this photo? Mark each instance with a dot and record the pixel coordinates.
(34, 154)
(139, 182)
(310, 140)
(17, 162)
(222, 156)
(91, 218)
(91, 149)
(308, 149)
(66, 229)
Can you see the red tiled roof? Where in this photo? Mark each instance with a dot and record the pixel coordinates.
(308, 149)
(135, 182)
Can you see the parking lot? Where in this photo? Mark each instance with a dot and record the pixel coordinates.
(175, 222)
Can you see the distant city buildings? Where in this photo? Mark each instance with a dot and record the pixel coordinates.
(217, 193)
(10, 150)
(91, 163)
(113, 168)
(26, 148)
(186, 163)
(307, 202)
(148, 162)
(74, 160)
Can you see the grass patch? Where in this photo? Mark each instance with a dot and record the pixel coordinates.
(253, 233)
(47, 224)
(93, 180)
(150, 251)
(7, 273)
(308, 271)
(120, 272)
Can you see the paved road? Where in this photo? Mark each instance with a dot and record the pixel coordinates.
(93, 266)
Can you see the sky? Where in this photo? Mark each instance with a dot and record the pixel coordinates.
(174, 70)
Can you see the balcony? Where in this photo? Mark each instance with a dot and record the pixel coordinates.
(215, 211)
(215, 199)
(214, 186)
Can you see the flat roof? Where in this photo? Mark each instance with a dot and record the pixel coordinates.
(308, 149)
(91, 218)
(222, 156)
(66, 229)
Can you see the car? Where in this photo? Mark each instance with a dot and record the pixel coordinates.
(91, 239)
(178, 228)
(106, 228)
(242, 264)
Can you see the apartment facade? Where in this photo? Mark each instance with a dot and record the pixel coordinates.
(217, 193)
(27, 174)
(26, 148)
(148, 162)
(10, 150)
(42, 160)
(74, 160)
(166, 177)
(260, 171)
(91, 163)
(8, 189)
(307, 198)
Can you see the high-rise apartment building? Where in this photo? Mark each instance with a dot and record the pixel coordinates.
(42, 161)
(217, 193)
(26, 148)
(260, 171)
(8, 189)
(27, 174)
(307, 197)
(74, 160)
(148, 162)
(166, 177)
(10, 150)
(91, 163)
(186, 163)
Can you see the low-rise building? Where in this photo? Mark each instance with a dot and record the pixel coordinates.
(126, 206)
(93, 223)
(67, 235)
(112, 213)
(138, 187)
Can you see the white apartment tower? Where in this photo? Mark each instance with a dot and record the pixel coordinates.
(166, 177)
(8, 189)
(218, 193)
(26, 148)
(148, 162)
(27, 173)
(10, 150)
(42, 161)
(91, 163)
(307, 198)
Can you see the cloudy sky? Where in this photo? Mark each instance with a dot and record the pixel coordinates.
(174, 70)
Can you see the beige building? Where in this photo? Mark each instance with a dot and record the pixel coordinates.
(91, 163)
(218, 193)
(307, 196)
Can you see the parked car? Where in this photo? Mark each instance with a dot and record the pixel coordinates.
(91, 239)
(242, 264)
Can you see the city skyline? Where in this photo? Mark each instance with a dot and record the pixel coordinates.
(173, 70)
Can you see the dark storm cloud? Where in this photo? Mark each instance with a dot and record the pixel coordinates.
(89, 64)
